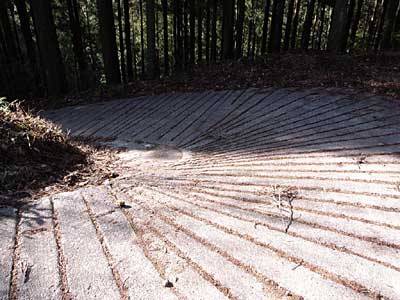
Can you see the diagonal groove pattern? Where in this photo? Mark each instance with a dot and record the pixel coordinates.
(199, 181)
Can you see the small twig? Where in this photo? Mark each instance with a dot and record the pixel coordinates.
(280, 196)
(298, 265)
(291, 214)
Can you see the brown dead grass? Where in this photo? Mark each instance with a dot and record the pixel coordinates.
(36, 157)
(372, 73)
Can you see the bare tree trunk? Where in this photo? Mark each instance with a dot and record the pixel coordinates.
(165, 34)
(253, 42)
(239, 28)
(180, 53)
(49, 48)
(356, 21)
(380, 26)
(28, 39)
(10, 46)
(134, 52)
(91, 44)
(142, 37)
(9, 59)
(397, 22)
(276, 26)
(127, 29)
(152, 67)
(121, 40)
(350, 16)
(157, 25)
(228, 21)
(208, 24)
(295, 25)
(214, 32)
(108, 41)
(388, 27)
(192, 25)
(373, 24)
(336, 33)
(288, 28)
(251, 31)
(265, 27)
(200, 34)
(5, 78)
(186, 39)
(305, 37)
(15, 33)
(314, 31)
(80, 56)
(322, 24)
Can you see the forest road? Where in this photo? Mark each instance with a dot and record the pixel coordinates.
(249, 194)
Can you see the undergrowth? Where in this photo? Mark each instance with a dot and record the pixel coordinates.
(33, 152)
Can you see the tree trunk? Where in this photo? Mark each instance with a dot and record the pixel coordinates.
(179, 52)
(314, 31)
(15, 33)
(336, 33)
(388, 27)
(134, 52)
(28, 39)
(265, 27)
(288, 28)
(276, 26)
(348, 25)
(142, 37)
(373, 24)
(165, 35)
(322, 24)
(10, 46)
(152, 68)
(356, 21)
(5, 78)
(228, 21)
(157, 25)
(381, 23)
(397, 23)
(78, 48)
(214, 32)
(108, 41)
(9, 59)
(254, 39)
(293, 39)
(127, 29)
(186, 40)
(91, 43)
(49, 48)
(305, 37)
(200, 34)
(251, 30)
(121, 40)
(239, 28)
(208, 24)
(192, 27)
(174, 33)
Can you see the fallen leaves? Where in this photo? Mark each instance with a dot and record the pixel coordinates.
(374, 73)
(37, 157)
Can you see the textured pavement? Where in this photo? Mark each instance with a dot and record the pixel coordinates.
(253, 194)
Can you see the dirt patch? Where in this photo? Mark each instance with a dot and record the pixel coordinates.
(164, 153)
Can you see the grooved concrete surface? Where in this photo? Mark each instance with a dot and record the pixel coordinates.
(252, 194)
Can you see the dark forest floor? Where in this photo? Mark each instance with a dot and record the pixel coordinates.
(373, 73)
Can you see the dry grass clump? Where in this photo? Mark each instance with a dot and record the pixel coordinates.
(33, 152)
